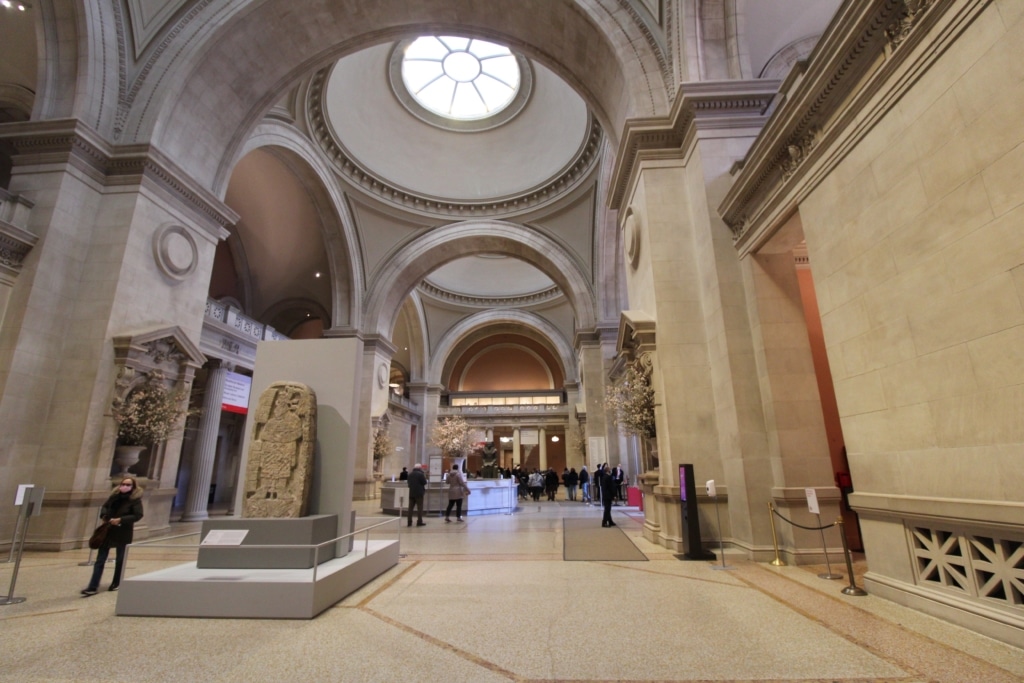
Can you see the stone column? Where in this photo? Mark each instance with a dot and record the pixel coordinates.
(517, 447)
(206, 445)
(542, 448)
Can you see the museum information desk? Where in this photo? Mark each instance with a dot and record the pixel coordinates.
(488, 497)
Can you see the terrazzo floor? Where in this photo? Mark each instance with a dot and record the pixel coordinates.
(491, 599)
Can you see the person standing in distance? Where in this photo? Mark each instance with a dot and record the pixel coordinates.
(456, 492)
(122, 509)
(417, 490)
(607, 498)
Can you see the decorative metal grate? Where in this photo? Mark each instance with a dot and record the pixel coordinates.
(984, 567)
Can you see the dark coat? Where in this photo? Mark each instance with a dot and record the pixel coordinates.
(126, 507)
(417, 483)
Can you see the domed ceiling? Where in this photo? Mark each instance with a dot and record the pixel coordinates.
(396, 147)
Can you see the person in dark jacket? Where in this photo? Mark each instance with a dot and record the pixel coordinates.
(417, 489)
(122, 510)
(607, 498)
(551, 483)
(585, 484)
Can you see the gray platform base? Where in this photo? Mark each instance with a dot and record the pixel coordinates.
(300, 531)
(187, 591)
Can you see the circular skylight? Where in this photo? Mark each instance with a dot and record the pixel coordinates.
(464, 79)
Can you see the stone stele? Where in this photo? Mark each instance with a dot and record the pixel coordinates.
(280, 470)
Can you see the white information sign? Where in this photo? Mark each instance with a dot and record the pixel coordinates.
(19, 497)
(225, 537)
(236, 393)
(812, 501)
(402, 498)
(711, 488)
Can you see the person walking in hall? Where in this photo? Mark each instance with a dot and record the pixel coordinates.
(607, 498)
(121, 510)
(565, 481)
(572, 480)
(585, 484)
(598, 479)
(551, 483)
(536, 484)
(417, 490)
(457, 490)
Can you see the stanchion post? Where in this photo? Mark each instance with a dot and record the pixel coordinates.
(852, 589)
(778, 561)
(824, 549)
(17, 527)
(10, 599)
(713, 492)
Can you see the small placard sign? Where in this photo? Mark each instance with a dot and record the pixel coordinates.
(812, 501)
(225, 537)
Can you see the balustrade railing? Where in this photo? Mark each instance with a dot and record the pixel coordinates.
(241, 323)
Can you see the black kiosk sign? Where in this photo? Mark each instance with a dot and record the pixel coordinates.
(693, 548)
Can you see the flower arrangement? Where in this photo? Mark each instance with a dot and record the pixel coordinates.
(632, 402)
(383, 444)
(149, 413)
(452, 436)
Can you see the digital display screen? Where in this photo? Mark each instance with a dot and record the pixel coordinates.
(682, 482)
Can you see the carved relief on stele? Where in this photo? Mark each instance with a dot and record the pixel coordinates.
(280, 470)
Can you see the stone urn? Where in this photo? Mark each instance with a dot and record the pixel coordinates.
(127, 457)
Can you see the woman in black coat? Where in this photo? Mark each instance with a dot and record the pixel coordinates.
(122, 509)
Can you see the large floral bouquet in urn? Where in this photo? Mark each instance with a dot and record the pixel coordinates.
(149, 414)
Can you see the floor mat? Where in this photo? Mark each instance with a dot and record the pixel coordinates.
(586, 540)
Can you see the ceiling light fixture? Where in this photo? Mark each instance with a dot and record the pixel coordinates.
(316, 274)
(554, 439)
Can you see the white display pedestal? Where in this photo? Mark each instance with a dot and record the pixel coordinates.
(187, 591)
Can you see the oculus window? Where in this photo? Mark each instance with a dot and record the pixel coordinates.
(459, 83)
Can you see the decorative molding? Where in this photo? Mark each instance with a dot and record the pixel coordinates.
(70, 141)
(726, 102)
(127, 93)
(427, 289)
(664, 65)
(576, 171)
(175, 252)
(900, 29)
(832, 101)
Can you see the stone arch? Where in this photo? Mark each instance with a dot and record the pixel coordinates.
(417, 326)
(416, 260)
(297, 153)
(212, 82)
(486, 323)
(782, 61)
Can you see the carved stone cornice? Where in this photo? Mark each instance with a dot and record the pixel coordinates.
(15, 244)
(541, 297)
(856, 74)
(576, 171)
(719, 104)
(69, 141)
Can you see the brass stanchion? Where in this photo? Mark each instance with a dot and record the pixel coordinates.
(778, 561)
(852, 589)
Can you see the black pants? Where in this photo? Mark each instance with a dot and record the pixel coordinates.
(457, 502)
(607, 519)
(416, 504)
(101, 560)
